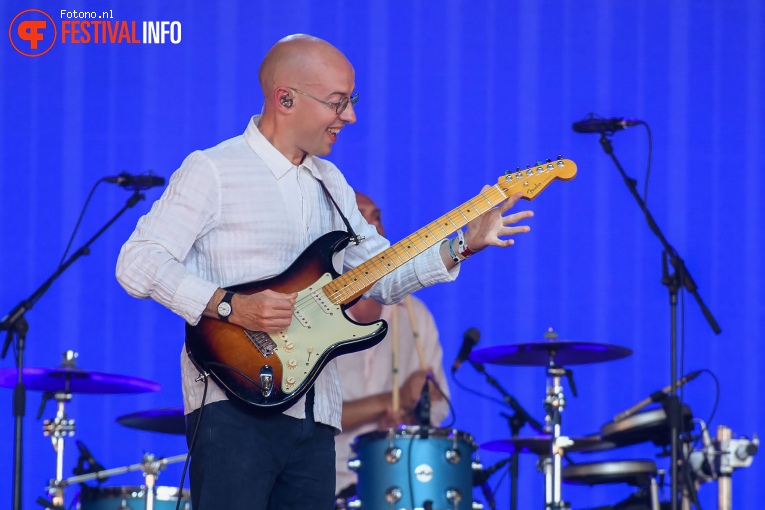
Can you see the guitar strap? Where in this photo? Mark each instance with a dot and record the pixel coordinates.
(355, 238)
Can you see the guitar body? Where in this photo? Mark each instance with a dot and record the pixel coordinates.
(273, 370)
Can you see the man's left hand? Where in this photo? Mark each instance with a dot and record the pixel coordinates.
(492, 227)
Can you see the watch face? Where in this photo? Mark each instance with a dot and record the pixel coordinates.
(224, 309)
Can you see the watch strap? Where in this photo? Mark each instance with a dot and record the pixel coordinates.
(226, 299)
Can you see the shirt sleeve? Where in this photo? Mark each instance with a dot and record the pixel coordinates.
(150, 263)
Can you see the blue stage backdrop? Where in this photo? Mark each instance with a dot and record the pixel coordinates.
(452, 95)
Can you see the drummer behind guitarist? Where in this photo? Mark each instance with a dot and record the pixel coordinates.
(381, 385)
(243, 211)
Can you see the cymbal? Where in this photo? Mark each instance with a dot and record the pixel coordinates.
(561, 352)
(75, 380)
(540, 445)
(169, 420)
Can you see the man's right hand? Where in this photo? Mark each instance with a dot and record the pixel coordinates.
(267, 311)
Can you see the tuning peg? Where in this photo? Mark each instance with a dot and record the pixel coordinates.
(560, 157)
(548, 160)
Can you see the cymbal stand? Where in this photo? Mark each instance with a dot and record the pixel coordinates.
(151, 468)
(555, 402)
(60, 426)
(57, 429)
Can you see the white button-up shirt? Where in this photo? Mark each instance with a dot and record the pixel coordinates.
(241, 212)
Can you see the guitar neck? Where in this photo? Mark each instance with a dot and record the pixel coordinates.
(355, 282)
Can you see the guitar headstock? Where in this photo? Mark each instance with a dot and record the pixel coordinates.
(533, 179)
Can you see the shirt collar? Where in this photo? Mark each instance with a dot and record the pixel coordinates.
(270, 155)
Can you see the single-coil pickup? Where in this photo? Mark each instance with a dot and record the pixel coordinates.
(262, 341)
(322, 301)
(302, 318)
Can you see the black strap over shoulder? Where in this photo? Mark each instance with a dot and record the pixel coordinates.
(355, 239)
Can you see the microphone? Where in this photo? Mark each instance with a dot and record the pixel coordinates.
(469, 339)
(482, 476)
(598, 125)
(129, 181)
(422, 409)
(88, 457)
(656, 396)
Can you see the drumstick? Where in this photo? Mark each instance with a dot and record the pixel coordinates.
(396, 404)
(416, 334)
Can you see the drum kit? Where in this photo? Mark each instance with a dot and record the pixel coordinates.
(60, 384)
(424, 469)
(417, 467)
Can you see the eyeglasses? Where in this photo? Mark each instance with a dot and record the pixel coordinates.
(339, 106)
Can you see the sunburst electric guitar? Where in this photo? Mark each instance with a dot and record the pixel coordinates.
(273, 370)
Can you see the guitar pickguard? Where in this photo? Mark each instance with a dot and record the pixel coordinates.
(318, 325)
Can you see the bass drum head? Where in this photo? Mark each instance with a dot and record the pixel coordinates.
(651, 425)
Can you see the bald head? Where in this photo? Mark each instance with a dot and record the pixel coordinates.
(370, 212)
(298, 61)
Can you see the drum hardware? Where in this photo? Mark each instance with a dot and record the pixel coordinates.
(150, 467)
(719, 458)
(554, 355)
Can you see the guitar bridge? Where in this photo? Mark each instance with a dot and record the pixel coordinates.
(262, 341)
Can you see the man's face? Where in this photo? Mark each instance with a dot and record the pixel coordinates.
(370, 212)
(317, 125)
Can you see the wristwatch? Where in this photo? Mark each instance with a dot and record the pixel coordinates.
(224, 307)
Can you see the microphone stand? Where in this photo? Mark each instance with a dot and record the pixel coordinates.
(680, 278)
(519, 418)
(16, 325)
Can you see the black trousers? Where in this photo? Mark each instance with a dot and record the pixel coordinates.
(246, 460)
